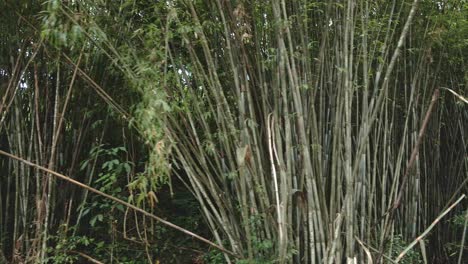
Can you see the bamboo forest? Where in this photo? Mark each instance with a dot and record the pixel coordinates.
(234, 131)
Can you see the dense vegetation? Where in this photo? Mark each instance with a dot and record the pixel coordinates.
(276, 131)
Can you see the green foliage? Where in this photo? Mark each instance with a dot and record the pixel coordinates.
(263, 247)
(111, 177)
(59, 30)
(261, 261)
(398, 245)
(62, 252)
(457, 223)
(214, 257)
(145, 54)
(459, 220)
(67, 247)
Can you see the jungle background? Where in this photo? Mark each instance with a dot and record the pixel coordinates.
(276, 131)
